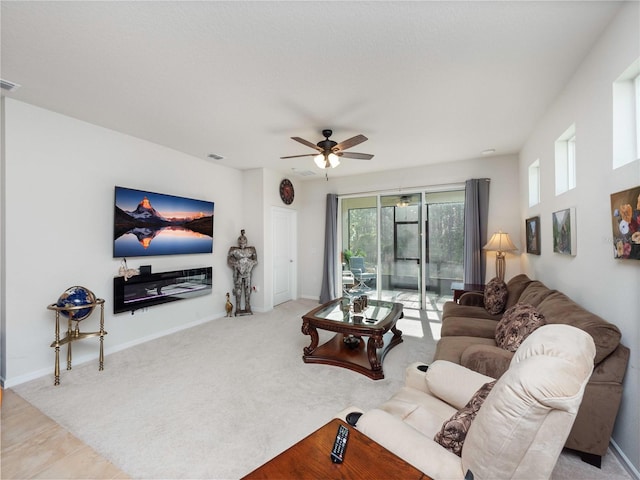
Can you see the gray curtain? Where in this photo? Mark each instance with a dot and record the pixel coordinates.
(476, 216)
(328, 291)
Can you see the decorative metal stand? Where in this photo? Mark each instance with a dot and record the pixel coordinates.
(74, 334)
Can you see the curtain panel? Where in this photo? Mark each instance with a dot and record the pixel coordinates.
(476, 217)
(328, 291)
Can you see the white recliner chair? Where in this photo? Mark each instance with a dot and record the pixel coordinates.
(520, 428)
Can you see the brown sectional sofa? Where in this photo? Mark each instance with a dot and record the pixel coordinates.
(467, 338)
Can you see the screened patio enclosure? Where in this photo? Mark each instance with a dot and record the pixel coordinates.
(411, 245)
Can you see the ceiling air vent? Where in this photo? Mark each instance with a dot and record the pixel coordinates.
(8, 86)
(303, 173)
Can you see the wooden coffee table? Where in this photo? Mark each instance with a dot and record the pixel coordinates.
(363, 459)
(362, 339)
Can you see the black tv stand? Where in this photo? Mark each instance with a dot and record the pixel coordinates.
(141, 291)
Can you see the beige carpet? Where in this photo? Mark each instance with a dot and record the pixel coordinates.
(220, 399)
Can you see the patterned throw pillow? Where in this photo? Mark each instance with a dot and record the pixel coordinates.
(516, 324)
(495, 296)
(454, 431)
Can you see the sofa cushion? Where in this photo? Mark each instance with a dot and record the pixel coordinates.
(515, 287)
(516, 325)
(469, 327)
(452, 348)
(488, 360)
(453, 309)
(495, 296)
(534, 293)
(454, 430)
(558, 308)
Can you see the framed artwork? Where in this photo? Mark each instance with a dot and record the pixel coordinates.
(625, 223)
(533, 235)
(148, 223)
(564, 231)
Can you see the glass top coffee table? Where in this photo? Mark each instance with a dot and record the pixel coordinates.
(362, 339)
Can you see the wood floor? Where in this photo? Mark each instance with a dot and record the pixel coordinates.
(34, 446)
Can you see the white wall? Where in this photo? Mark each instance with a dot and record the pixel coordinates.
(264, 186)
(58, 186)
(503, 206)
(593, 278)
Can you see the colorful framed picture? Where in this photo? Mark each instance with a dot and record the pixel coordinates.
(564, 231)
(147, 223)
(532, 226)
(625, 223)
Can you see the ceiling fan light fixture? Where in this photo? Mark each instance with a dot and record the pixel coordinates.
(404, 201)
(326, 161)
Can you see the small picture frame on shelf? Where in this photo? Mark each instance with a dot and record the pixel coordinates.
(532, 227)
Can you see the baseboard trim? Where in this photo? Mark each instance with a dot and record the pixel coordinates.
(310, 297)
(624, 460)
(81, 359)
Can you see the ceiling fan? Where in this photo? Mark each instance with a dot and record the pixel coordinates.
(330, 151)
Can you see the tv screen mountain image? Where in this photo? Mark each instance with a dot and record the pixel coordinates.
(147, 224)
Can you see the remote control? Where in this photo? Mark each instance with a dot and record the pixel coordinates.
(340, 444)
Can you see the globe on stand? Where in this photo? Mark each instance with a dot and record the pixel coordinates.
(75, 297)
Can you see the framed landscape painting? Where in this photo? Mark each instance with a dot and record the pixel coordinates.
(625, 223)
(148, 223)
(564, 231)
(533, 235)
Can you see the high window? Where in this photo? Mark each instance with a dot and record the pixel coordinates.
(534, 183)
(626, 116)
(565, 151)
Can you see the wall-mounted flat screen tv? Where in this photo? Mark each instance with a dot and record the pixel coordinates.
(148, 223)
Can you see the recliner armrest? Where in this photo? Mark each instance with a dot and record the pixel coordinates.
(453, 383)
(410, 445)
(415, 378)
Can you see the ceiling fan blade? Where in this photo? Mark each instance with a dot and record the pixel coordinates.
(350, 142)
(307, 143)
(298, 156)
(357, 156)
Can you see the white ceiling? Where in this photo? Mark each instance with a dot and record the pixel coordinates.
(427, 82)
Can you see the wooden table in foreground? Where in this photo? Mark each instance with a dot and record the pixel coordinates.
(348, 348)
(309, 459)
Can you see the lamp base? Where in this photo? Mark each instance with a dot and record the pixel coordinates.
(500, 265)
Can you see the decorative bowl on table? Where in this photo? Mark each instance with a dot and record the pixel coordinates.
(352, 342)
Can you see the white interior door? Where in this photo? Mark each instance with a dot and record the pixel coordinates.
(285, 255)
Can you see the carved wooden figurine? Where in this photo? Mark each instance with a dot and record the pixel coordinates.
(228, 306)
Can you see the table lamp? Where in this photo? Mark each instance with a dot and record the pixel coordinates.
(500, 243)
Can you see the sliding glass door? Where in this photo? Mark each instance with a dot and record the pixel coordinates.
(444, 241)
(359, 253)
(403, 247)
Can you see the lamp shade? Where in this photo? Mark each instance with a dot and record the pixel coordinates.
(500, 242)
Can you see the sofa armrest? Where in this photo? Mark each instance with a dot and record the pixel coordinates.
(486, 359)
(473, 299)
(410, 445)
(453, 383)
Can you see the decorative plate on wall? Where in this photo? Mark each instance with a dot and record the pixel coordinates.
(286, 191)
